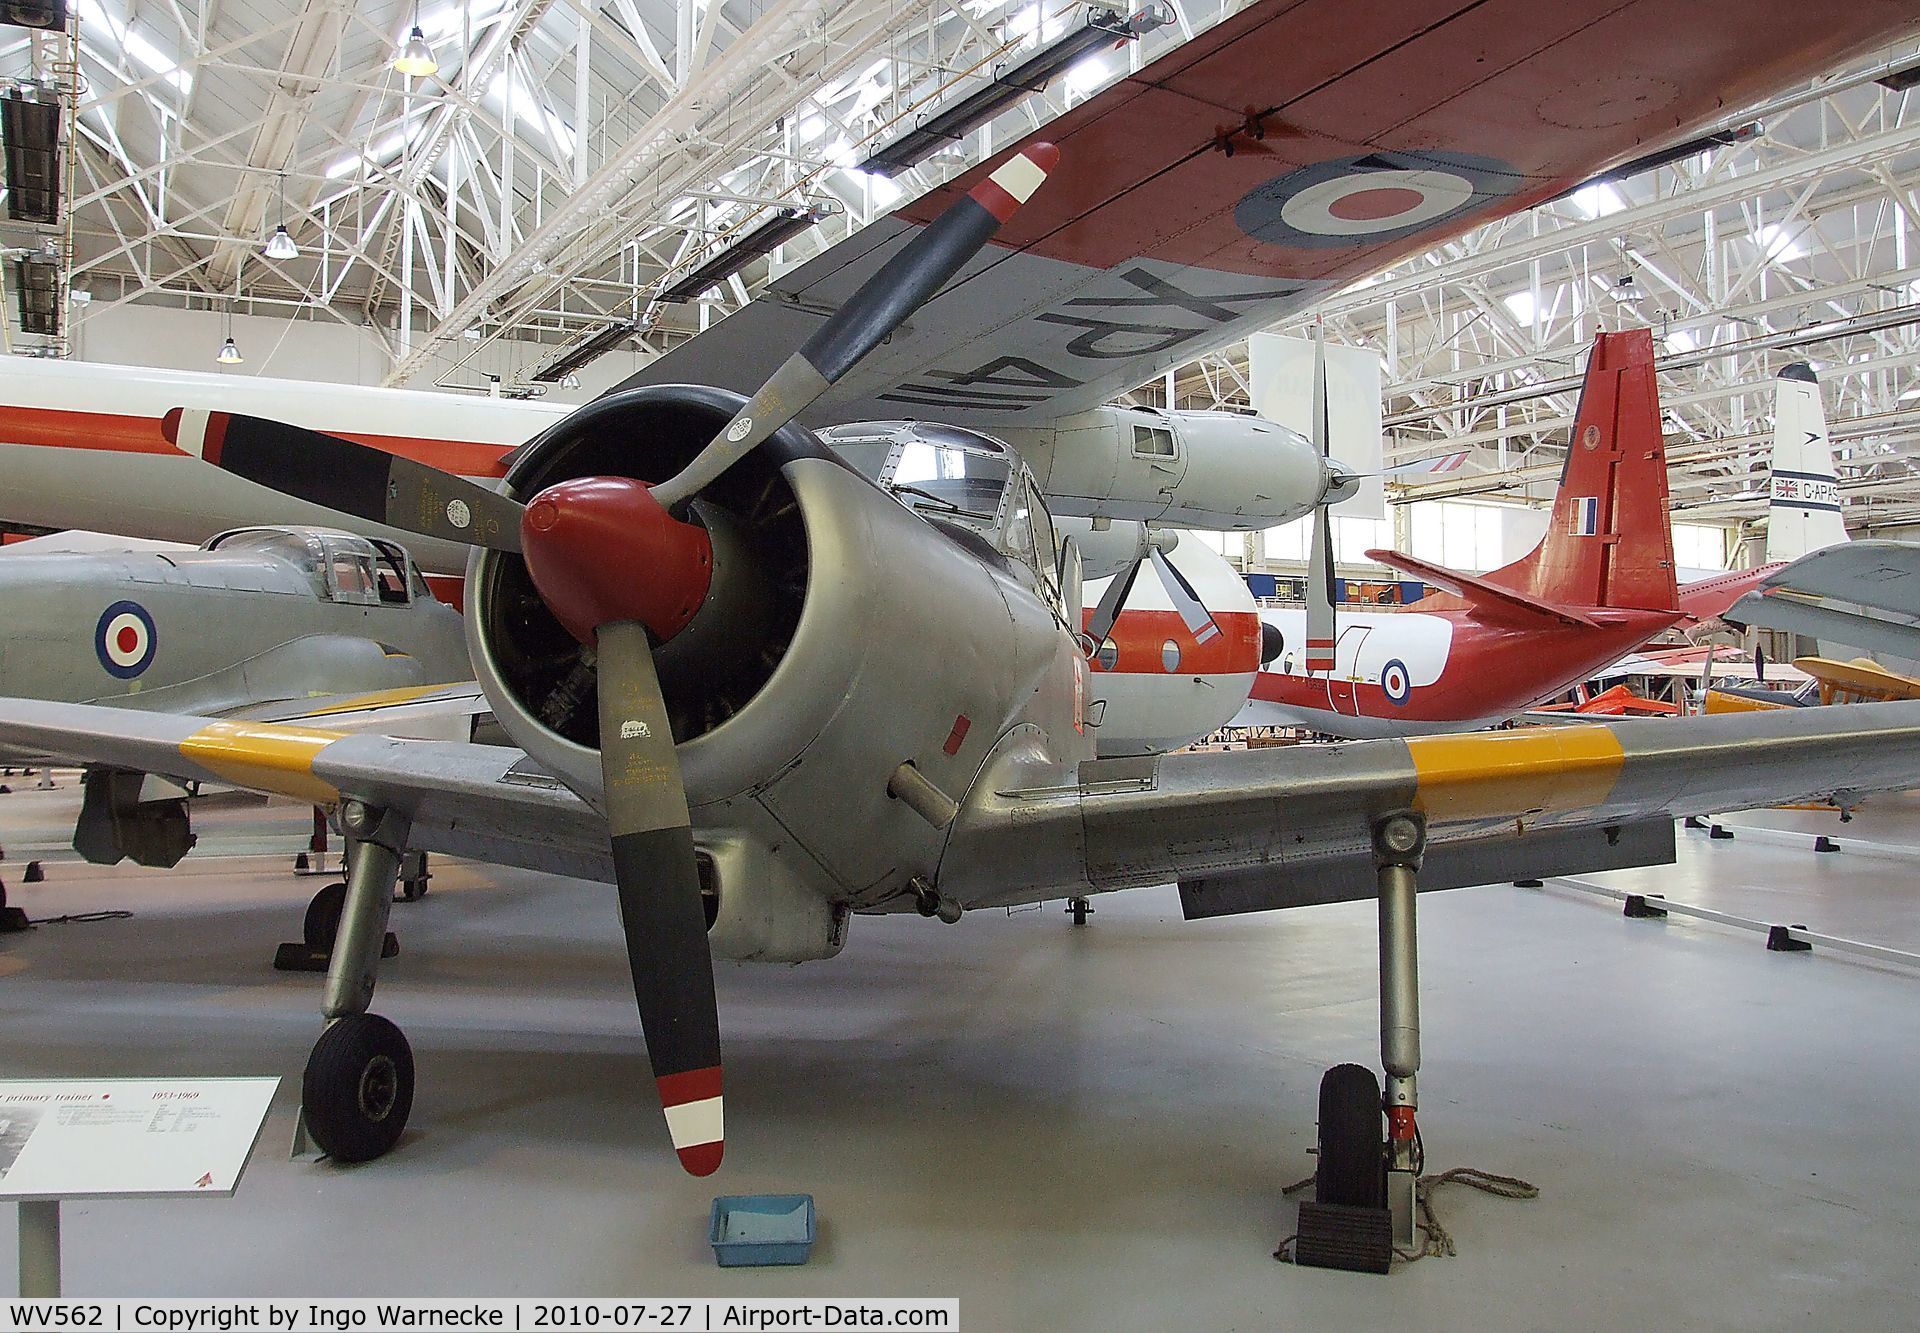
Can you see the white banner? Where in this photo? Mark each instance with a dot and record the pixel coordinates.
(1280, 373)
(513, 1316)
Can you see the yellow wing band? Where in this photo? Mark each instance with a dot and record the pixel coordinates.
(1515, 773)
(264, 757)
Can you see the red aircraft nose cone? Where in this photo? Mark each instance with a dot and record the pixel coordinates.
(602, 549)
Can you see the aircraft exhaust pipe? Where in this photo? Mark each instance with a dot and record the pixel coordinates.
(926, 800)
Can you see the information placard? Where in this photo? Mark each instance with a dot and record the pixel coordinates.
(81, 1138)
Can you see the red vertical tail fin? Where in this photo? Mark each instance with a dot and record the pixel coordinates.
(1609, 542)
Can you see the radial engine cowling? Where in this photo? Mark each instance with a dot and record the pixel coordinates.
(810, 672)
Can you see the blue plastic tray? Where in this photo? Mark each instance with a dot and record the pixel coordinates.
(754, 1230)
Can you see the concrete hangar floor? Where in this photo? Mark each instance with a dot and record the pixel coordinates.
(1064, 1128)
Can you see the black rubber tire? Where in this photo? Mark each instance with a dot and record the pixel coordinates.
(1352, 1168)
(358, 1088)
(323, 917)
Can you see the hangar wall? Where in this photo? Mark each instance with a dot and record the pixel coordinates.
(320, 349)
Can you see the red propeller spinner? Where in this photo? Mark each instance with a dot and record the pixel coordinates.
(602, 549)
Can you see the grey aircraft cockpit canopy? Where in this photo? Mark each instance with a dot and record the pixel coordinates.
(955, 478)
(343, 566)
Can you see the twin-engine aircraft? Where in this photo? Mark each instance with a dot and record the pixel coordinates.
(761, 692)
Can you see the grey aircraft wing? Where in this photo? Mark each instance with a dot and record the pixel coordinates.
(1288, 826)
(1864, 594)
(485, 802)
(1241, 831)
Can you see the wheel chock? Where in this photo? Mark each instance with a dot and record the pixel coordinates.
(1529, 884)
(1825, 844)
(1694, 822)
(1780, 941)
(298, 956)
(1337, 1235)
(1716, 831)
(1638, 906)
(34, 875)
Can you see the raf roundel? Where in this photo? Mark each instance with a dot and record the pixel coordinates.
(125, 640)
(1378, 197)
(1395, 681)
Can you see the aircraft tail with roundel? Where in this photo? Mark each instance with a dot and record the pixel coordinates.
(1803, 492)
(1608, 545)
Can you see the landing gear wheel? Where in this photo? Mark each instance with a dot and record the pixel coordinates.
(323, 918)
(1079, 909)
(1353, 1162)
(358, 1088)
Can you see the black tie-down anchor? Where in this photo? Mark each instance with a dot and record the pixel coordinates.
(1363, 1204)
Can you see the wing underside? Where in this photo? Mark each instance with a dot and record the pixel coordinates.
(1293, 148)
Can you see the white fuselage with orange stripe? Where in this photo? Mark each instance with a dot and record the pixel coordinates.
(1155, 685)
(81, 447)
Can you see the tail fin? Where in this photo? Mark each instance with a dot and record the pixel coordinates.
(1609, 542)
(1803, 495)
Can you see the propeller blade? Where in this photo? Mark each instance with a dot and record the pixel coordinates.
(1193, 612)
(1320, 626)
(351, 479)
(1111, 601)
(904, 283)
(659, 886)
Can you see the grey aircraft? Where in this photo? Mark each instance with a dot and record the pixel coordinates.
(261, 623)
(769, 693)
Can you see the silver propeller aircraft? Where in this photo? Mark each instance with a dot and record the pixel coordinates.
(767, 693)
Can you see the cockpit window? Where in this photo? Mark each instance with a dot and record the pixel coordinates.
(948, 479)
(390, 571)
(301, 549)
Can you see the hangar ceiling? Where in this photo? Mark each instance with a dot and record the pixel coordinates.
(569, 159)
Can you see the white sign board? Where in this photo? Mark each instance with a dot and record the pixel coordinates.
(1280, 374)
(76, 1138)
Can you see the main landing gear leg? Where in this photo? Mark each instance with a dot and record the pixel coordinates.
(358, 1087)
(1398, 842)
(1363, 1204)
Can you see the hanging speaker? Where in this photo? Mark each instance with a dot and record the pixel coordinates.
(31, 130)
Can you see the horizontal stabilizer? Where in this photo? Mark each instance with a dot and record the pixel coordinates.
(1491, 601)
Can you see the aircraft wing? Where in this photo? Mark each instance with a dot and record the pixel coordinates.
(1864, 594)
(1291, 825)
(1240, 831)
(1489, 599)
(481, 801)
(1288, 151)
(1862, 680)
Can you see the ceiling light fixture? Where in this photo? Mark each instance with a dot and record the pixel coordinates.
(280, 245)
(229, 350)
(415, 57)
